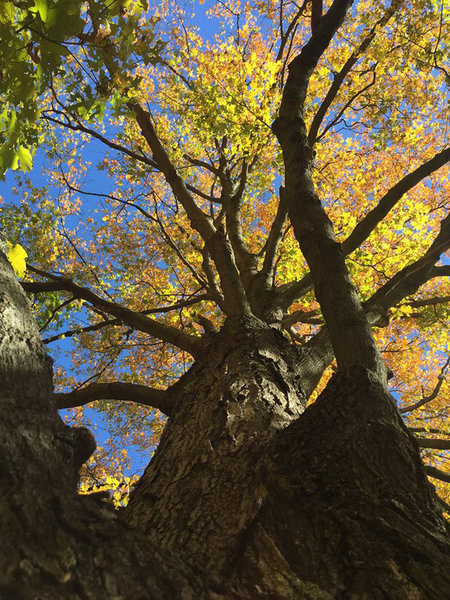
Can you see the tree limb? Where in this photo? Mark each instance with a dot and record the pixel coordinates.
(427, 430)
(136, 320)
(338, 117)
(434, 393)
(365, 227)
(234, 294)
(316, 14)
(436, 443)
(437, 473)
(232, 198)
(299, 316)
(294, 290)
(441, 271)
(78, 331)
(345, 70)
(292, 25)
(428, 301)
(114, 145)
(126, 392)
(273, 241)
(408, 280)
(302, 66)
(348, 326)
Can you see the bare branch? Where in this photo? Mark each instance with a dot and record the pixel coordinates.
(436, 443)
(126, 392)
(437, 473)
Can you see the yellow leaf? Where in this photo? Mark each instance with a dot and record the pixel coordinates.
(17, 256)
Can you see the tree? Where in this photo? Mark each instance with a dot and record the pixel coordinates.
(277, 217)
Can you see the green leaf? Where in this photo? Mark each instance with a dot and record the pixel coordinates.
(12, 123)
(6, 12)
(42, 7)
(26, 160)
(17, 256)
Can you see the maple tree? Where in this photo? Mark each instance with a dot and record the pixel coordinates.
(269, 209)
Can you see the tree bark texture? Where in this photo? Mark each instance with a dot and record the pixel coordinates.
(248, 496)
(282, 502)
(55, 544)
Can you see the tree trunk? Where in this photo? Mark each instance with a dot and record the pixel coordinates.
(331, 503)
(248, 496)
(55, 544)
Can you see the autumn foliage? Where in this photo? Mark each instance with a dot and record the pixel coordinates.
(98, 209)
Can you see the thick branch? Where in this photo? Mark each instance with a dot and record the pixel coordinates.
(301, 68)
(436, 443)
(232, 198)
(316, 14)
(215, 239)
(348, 327)
(442, 271)
(294, 290)
(39, 287)
(410, 278)
(437, 473)
(136, 320)
(273, 241)
(126, 392)
(427, 430)
(365, 227)
(428, 301)
(299, 316)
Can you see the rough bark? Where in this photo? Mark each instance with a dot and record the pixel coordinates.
(248, 496)
(55, 544)
(201, 491)
(348, 506)
(278, 502)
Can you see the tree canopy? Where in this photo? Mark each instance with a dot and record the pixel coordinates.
(165, 205)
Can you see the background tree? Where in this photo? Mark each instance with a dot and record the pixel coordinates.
(272, 210)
